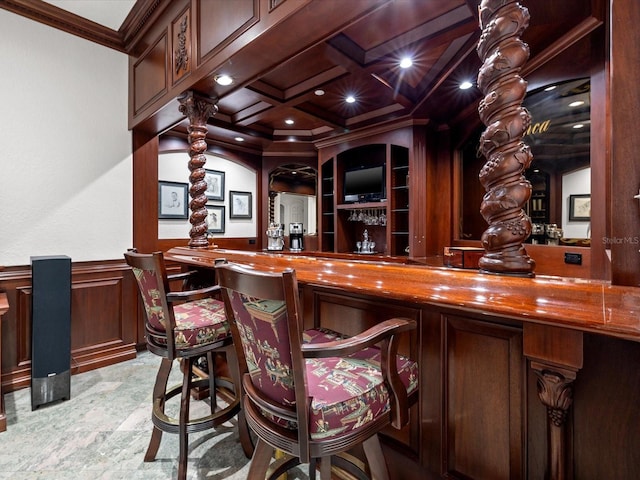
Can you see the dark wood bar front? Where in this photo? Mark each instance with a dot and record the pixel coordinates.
(520, 377)
(4, 306)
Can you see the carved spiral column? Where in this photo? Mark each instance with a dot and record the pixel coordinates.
(198, 109)
(555, 390)
(507, 190)
(272, 212)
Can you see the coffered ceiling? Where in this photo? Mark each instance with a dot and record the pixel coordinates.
(361, 60)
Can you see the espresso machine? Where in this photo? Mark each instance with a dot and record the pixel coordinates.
(296, 235)
(275, 236)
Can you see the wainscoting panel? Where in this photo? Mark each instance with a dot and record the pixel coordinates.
(103, 319)
(484, 403)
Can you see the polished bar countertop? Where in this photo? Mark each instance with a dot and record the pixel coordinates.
(585, 305)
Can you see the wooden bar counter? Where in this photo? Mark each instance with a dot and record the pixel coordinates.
(520, 377)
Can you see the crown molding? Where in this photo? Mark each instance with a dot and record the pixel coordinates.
(132, 28)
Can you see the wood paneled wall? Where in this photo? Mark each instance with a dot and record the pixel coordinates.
(103, 319)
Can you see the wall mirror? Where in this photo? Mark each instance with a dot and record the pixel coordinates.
(292, 197)
(560, 174)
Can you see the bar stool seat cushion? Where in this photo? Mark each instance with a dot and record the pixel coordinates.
(347, 392)
(198, 322)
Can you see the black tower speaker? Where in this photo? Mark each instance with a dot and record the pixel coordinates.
(50, 329)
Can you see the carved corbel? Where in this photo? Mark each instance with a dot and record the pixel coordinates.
(198, 109)
(555, 390)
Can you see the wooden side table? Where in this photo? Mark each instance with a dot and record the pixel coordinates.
(4, 306)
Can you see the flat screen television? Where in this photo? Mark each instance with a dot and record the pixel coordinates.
(365, 184)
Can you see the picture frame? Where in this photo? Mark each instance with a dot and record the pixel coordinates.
(173, 200)
(240, 204)
(215, 184)
(215, 218)
(580, 208)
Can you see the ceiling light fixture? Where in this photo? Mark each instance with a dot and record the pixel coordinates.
(466, 85)
(578, 125)
(350, 99)
(223, 80)
(576, 103)
(239, 139)
(289, 121)
(319, 92)
(406, 62)
(548, 89)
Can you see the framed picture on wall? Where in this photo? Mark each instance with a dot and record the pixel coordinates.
(240, 204)
(580, 208)
(215, 184)
(173, 200)
(215, 218)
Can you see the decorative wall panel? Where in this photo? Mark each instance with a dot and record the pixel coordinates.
(231, 19)
(484, 374)
(150, 74)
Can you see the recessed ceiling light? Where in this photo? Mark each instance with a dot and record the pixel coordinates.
(406, 62)
(466, 85)
(289, 121)
(350, 99)
(548, 89)
(224, 80)
(239, 139)
(578, 125)
(576, 103)
(319, 92)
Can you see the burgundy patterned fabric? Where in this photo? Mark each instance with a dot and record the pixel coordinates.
(197, 323)
(346, 393)
(200, 322)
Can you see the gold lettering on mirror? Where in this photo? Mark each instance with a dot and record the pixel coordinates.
(559, 137)
(539, 127)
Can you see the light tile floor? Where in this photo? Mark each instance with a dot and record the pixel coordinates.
(102, 433)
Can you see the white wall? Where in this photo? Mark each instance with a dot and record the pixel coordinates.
(174, 167)
(65, 150)
(291, 207)
(575, 183)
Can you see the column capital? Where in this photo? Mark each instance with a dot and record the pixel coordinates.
(197, 108)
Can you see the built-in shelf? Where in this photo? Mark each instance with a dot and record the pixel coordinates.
(361, 206)
(340, 232)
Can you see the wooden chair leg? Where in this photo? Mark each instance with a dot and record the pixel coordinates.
(158, 403)
(245, 435)
(211, 369)
(154, 445)
(325, 468)
(375, 458)
(185, 402)
(243, 427)
(313, 465)
(260, 461)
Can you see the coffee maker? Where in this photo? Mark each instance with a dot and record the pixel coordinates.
(296, 234)
(275, 236)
